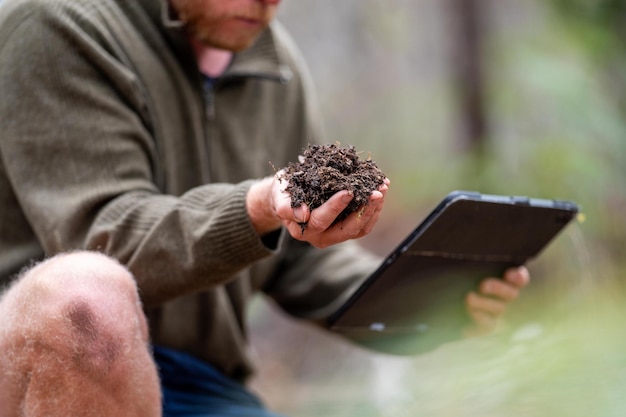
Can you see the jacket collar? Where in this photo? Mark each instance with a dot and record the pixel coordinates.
(263, 59)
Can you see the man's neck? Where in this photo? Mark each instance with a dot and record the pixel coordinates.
(211, 61)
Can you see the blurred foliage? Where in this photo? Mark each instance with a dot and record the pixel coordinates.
(601, 24)
(564, 117)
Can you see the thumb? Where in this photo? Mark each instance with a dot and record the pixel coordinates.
(301, 213)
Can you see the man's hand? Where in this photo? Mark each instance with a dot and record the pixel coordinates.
(269, 206)
(490, 302)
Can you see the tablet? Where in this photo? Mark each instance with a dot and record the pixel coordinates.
(420, 286)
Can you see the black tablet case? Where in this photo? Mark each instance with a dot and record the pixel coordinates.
(420, 287)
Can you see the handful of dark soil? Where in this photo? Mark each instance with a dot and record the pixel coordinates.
(326, 169)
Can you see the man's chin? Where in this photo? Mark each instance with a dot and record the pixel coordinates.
(232, 45)
(228, 47)
(238, 47)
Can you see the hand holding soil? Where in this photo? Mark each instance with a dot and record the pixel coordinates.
(338, 195)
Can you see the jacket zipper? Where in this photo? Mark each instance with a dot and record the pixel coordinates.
(208, 94)
(209, 100)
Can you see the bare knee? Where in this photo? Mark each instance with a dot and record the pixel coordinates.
(78, 274)
(77, 318)
(80, 304)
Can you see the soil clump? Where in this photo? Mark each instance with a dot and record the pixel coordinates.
(323, 170)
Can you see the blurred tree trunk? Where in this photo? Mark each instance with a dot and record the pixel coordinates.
(468, 71)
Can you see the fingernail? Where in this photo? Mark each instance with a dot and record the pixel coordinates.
(346, 198)
(298, 214)
(376, 195)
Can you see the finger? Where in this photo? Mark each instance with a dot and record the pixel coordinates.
(499, 289)
(366, 218)
(354, 224)
(349, 228)
(487, 305)
(282, 201)
(376, 195)
(301, 214)
(383, 188)
(281, 198)
(323, 217)
(296, 230)
(287, 214)
(371, 219)
(519, 276)
(369, 226)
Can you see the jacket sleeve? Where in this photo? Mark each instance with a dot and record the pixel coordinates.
(313, 283)
(81, 162)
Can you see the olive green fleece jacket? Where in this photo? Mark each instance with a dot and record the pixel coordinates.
(109, 142)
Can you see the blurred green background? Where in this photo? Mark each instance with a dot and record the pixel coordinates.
(501, 97)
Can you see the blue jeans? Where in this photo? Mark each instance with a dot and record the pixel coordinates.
(193, 388)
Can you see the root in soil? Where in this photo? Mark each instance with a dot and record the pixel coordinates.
(323, 170)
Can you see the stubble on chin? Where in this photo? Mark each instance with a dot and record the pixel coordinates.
(219, 28)
(227, 40)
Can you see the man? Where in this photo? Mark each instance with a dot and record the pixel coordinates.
(143, 130)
